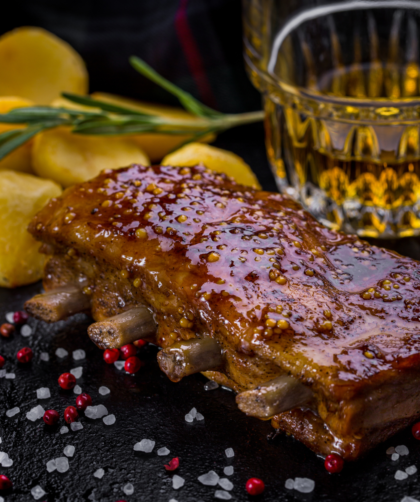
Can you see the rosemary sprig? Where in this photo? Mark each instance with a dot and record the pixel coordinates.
(109, 119)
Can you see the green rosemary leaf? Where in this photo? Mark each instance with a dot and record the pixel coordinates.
(8, 135)
(22, 136)
(187, 100)
(96, 103)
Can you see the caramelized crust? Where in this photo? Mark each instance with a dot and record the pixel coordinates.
(278, 291)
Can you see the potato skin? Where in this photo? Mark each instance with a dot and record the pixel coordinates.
(39, 66)
(21, 197)
(68, 158)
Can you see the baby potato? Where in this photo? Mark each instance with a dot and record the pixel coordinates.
(21, 197)
(69, 158)
(215, 159)
(39, 66)
(19, 159)
(156, 146)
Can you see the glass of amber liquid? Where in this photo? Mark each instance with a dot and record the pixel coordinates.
(341, 90)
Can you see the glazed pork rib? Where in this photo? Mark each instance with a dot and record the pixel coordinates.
(314, 329)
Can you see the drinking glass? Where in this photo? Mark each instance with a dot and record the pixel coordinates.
(340, 86)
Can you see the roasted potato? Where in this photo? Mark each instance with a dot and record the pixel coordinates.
(215, 159)
(69, 158)
(156, 146)
(19, 159)
(21, 197)
(39, 66)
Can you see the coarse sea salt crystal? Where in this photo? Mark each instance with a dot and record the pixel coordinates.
(304, 485)
(35, 413)
(9, 317)
(225, 484)
(390, 450)
(7, 462)
(128, 489)
(109, 420)
(411, 470)
(228, 471)
(77, 390)
(402, 450)
(62, 464)
(10, 376)
(69, 450)
(103, 391)
(51, 465)
(193, 412)
(60, 352)
(79, 354)
(99, 473)
(400, 475)
(2, 373)
(199, 417)
(222, 495)
(171, 500)
(229, 452)
(177, 482)
(37, 492)
(395, 457)
(95, 412)
(163, 451)
(76, 426)
(77, 372)
(189, 418)
(26, 330)
(211, 385)
(408, 499)
(145, 445)
(211, 478)
(12, 412)
(64, 430)
(119, 365)
(44, 356)
(43, 393)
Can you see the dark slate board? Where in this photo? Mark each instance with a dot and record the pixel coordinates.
(148, 405)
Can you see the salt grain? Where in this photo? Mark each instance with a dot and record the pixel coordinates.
(10, 376)
(99, 473)
(128, 489)
(77, 372)
(211, 385)
(402, 450)
(199, 417)
(411, 470)
(37, 492)
(7, 462)
(3, 456)
(95, 412)
(43, 393)
(209, 479)
(222, 495)
(79, 354)
(26, 330)
(51, 465)
(77, 390)
(172, 500)
(76, 426)
(109, 420)
(62, 463)
(390, 450)
(69, 450)
(9, 317)
(44, 356)
(60, 352)
(228, 471)
(119, 365)
(290, 484)
(12, 412)
(35, 413)
(400, 475)
(304, 485)
(193, 412)
(145, 445)
(163, 451)
(64, 430)
(408, 499)
(229, 452)
(225, 484)
(189, 418)
(2, 373)
(103, 391)
(177, 482)
(395, 457)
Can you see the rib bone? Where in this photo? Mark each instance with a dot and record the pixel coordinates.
(278, 395)
(123, 328)
(58, 304)
(187, 357)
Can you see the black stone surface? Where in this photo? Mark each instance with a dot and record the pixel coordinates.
(148, 405)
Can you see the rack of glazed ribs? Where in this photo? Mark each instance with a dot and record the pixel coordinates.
(314, 329)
